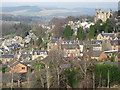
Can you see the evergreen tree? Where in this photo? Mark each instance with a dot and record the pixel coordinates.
(39, 41)
(92, 32)
(67, 32)
(106, 29)
(32, 41)
(80, 34)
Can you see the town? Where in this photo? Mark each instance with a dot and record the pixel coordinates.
(73, 53)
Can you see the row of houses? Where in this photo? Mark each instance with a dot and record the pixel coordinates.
(107, 44)
(70, 47)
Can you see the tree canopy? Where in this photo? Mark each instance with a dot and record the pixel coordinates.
(67, 32)
(80, 34)
(39, 41)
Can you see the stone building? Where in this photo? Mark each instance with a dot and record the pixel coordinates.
(99, 14)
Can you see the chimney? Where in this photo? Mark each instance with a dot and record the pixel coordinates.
(42, 48)
(50, 37)
(102, 32)
(77, 39)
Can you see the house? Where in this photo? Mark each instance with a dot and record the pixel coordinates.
(96, 55)
(65, 66)
(114, 44)
(18, 79)
(53, 44)
(96, 41)
(3, 50)
(39, 54)
(14, 47)
(17, 39)
(97, 47)
(26, 58)
(25, 52)
(6, 58)
(16, 67)
(72, 48)
(101, 55)
(118, 55)
(107, 36)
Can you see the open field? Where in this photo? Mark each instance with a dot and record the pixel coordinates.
(8, 36)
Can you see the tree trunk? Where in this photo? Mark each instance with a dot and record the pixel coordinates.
(48, 83)
(28, 81)
(108, 79)
(41, 79)
(100, 81)
(58, 77)
(18, 83)
(93, 80)
(12, 80)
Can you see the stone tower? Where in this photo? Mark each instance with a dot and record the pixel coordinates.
(99, 14)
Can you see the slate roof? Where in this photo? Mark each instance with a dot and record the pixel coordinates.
(39, 51)
(53, 40)
(26, 52)
(108, 34)
(24, 56)
(14, 46)
(96, 41)
(69, 42)
(7, 56)
(118, 56)
(12, 64)
(114, 42)
(95, 45)
(2, 49)
(65, 65)
(7, 69)
(96, 53)
(70, 46)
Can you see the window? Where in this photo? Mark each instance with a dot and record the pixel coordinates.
(23, 67)
(68, 55)
(76, 55)
(98, 16)
(102, 16)
(41, 53)
(41, 58)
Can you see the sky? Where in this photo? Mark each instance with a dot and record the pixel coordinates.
(60, 0)
(62, 3)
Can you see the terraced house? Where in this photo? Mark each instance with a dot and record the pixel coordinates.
(6, 58)
(70, 47)
(107, 36)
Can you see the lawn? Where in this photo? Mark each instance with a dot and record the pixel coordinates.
(45, 41)
(8, 36)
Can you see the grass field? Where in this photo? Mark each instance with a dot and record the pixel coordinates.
(8, 36)
(10, 22)
(45, 41)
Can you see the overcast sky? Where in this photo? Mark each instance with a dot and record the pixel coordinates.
(60, 0)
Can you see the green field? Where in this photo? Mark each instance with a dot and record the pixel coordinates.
(8, 36)
(45, 41)
(11, 22)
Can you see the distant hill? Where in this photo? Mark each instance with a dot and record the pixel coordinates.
(19, 8)
(45, 13)
(35, 11)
